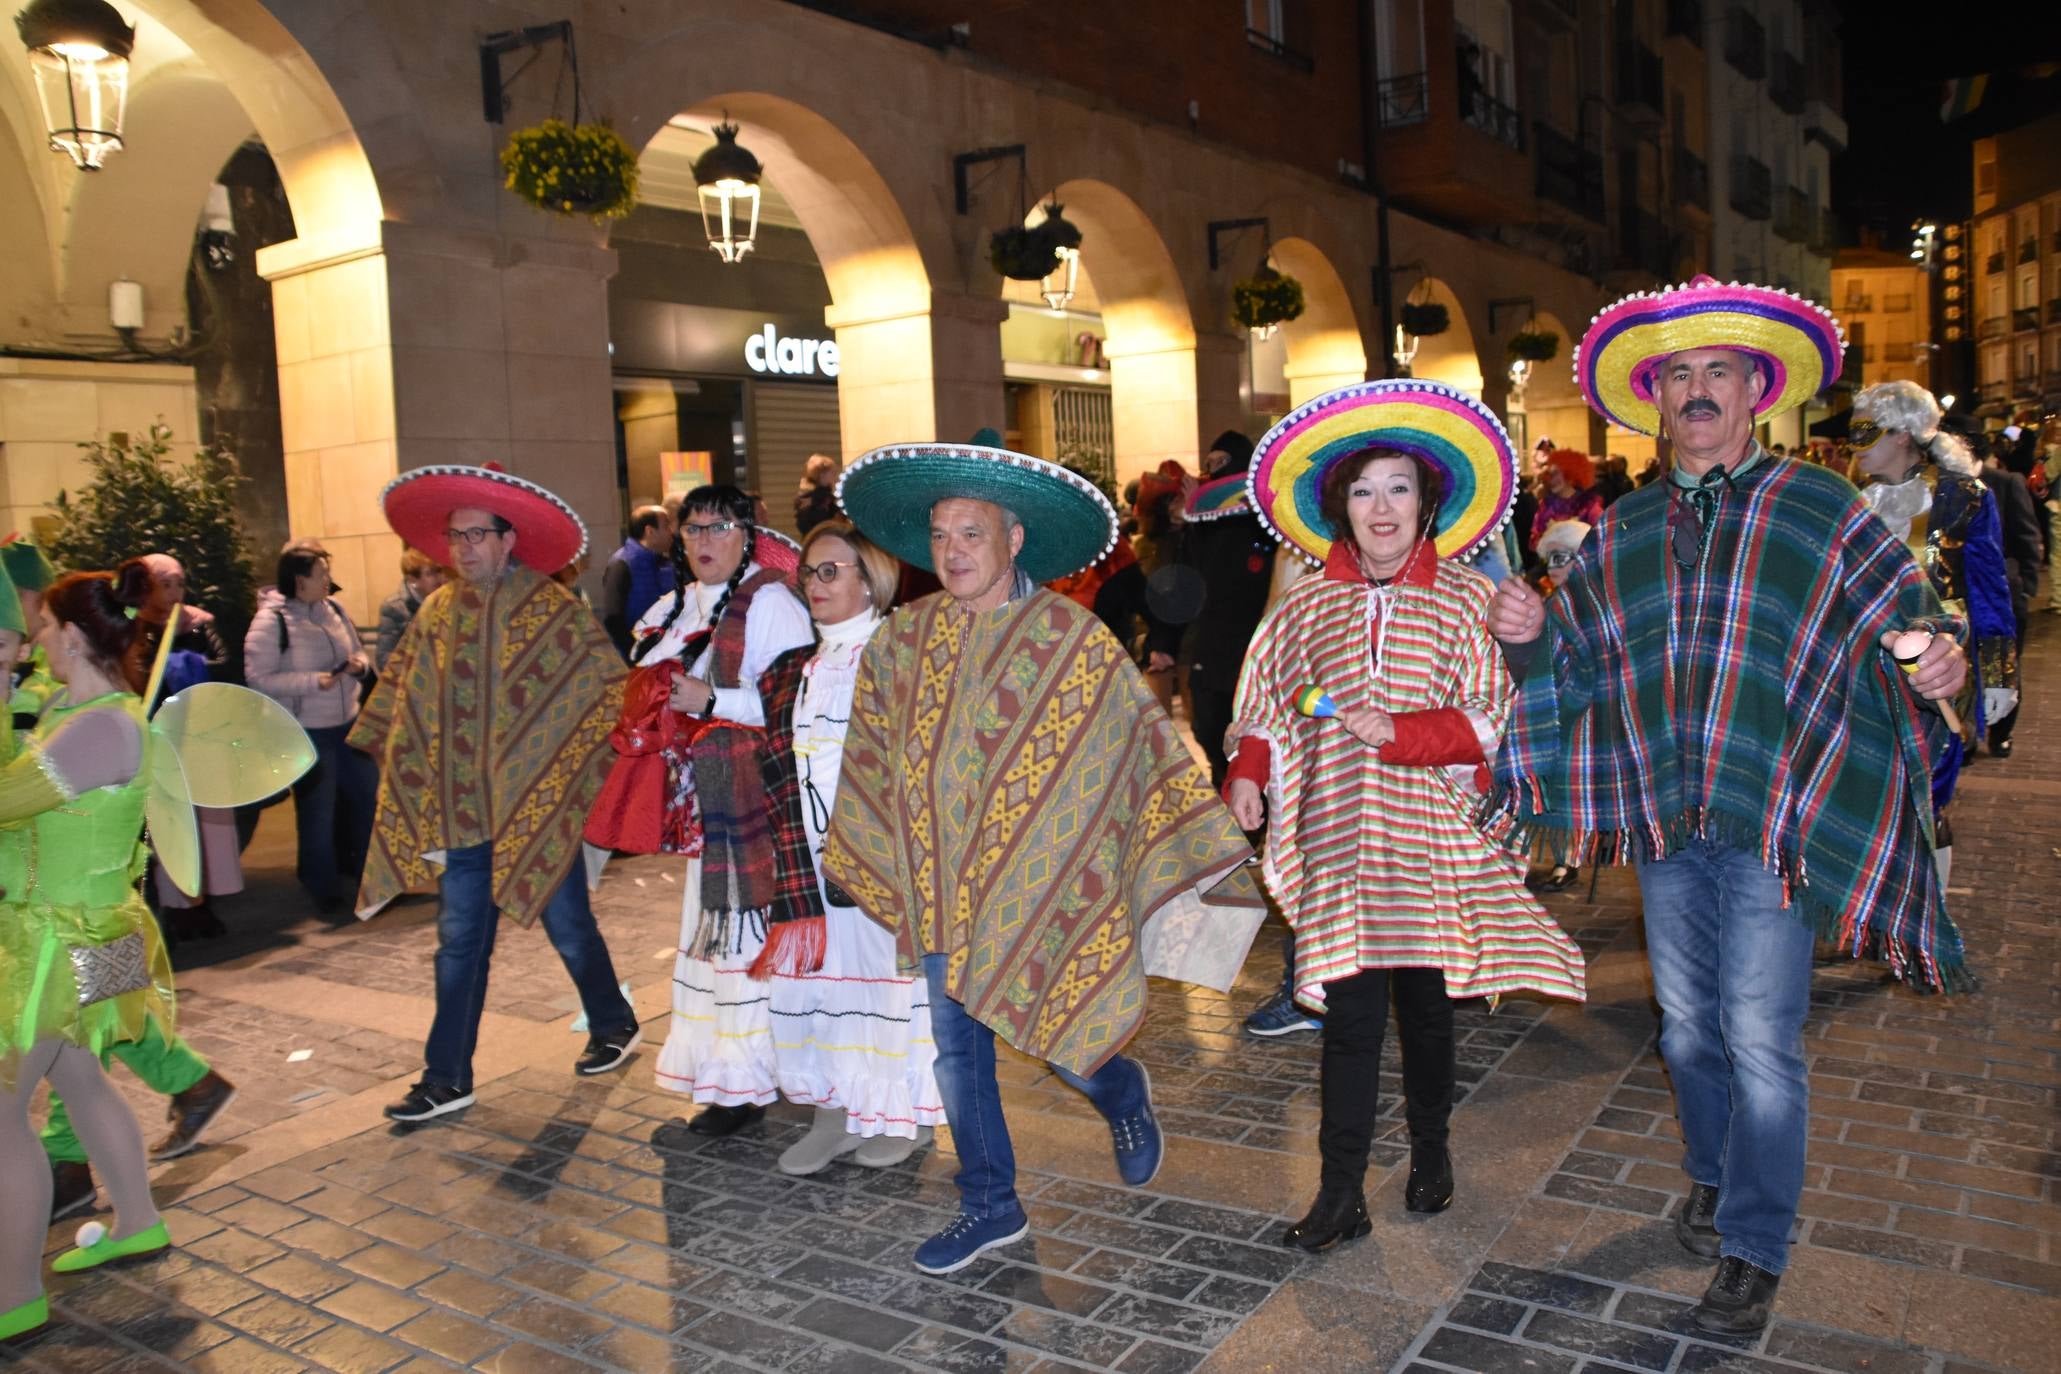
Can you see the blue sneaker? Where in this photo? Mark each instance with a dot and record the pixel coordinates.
(1140, 1148)
(1279, 1015)
(968, 1238)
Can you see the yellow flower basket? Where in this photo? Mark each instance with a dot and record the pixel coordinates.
(572, 169)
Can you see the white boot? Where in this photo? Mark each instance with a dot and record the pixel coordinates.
(826, 1140)
(886, 1151)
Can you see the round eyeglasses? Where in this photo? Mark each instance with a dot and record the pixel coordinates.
(826, 573)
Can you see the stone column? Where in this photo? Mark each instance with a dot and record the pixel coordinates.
(931, 373)
(1153, 405)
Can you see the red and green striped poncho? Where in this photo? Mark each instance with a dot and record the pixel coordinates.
(1746, 699)
(1374, 854)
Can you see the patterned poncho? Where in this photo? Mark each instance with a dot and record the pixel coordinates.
(1013, 797)
(1374, 855)
(1746, 698)
(490, 724)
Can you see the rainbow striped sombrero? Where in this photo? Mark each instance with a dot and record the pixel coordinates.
(1215, 500)
(1444, 426)
(1799, 344)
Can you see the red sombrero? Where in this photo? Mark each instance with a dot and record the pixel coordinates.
(776, 551)
(419, 504)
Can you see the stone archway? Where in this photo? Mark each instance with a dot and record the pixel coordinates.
(1151, 332)
(1324, 344)
(1451, 357)
(1552, 404)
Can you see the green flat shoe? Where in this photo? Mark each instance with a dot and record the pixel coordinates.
(106, 1250)
(30, 1315)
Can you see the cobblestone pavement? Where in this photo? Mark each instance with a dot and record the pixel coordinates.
(572, 1225)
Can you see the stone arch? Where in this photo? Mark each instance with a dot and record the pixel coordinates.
(1552, 403)
(1452, 357)
(879, 284)
(1151, 330)
(1324, 345)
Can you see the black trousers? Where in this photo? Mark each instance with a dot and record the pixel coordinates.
(1355, 1019)
(1211, 717)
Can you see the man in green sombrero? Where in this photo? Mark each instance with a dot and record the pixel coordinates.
(1711, 696)
(1016, 807)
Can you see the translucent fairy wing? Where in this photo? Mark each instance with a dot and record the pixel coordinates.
(238, 746)
(168, 807)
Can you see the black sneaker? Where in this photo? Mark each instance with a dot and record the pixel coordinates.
(605, 1052)
(1696, 1222)
(71, 1188)
(718, 1120)
(426, 1100)
(1739, 1299)
(192, 1112)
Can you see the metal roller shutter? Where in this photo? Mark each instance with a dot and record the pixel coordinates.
(789, 421)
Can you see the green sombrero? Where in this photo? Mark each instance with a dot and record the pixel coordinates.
(888, 493)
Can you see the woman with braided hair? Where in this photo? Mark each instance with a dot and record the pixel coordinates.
(726, 621)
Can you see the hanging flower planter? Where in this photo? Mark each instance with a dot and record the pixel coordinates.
(572, 169)
(1022, 254)
(1530, 345)
(1424, 318)
(1265, 299)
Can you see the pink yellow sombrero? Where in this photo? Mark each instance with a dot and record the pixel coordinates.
(1215, 500)
(1444, 426)
(1799, 344)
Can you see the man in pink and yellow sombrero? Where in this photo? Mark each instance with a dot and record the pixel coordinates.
(1712, 697)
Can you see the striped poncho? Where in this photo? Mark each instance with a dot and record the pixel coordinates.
(1374, 855)
(1746, 699)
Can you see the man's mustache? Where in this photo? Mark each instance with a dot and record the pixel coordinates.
(1699, 407)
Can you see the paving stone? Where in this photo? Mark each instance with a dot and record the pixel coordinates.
(748, 1339)
(1470, 1350)
(860, 1326)
(1538, 1286)
(348, 1350)
(1040, 1289)
(1064, 1336)
(1149, 1276)
(1840, 1351)
(1487, 1314)
(1624, 1345)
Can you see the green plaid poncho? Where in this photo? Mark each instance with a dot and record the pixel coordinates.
(1746, 699)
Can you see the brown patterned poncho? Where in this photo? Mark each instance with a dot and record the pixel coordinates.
(490, 723)
(1013, 797)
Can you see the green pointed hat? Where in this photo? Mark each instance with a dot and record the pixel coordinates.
(11, 617)
(27, 565)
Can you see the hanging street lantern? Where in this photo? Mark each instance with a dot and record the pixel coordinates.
(1520, 374)
(1064, 237)
(1405, 350)
(79, 50)
(727, 178)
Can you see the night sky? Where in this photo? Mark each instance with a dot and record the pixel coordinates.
(1902, 162)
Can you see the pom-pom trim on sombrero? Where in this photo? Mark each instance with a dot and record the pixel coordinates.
(1432, 420)
(1801, 344)
(546, 527)
(1068, 524)
(1217, 499)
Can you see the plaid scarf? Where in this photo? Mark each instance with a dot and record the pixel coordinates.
(796, 942)
(1719, 675)
(742, 887)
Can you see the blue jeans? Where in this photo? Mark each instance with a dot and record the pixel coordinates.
(973, 1099)
(465, 947)
(332, 808)
(1732, 970)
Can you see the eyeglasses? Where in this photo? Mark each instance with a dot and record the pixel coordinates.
(1559, 560)
(826, 573)
(711, 531)
(472, 534)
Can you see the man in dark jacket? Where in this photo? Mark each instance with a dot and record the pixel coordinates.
(637, 574)
(2019, 515)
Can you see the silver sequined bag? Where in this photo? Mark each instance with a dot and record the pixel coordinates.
(109, 970)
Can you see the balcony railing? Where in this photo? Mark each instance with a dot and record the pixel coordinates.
(1569, 175)
(1995, 262)
(2028, 318)
(1274, 47)
(1495, 119)
(1638, 77)
(1752, 188)
(1403, 100)
(2029, 250)
(1785, 83)
(1898, 352)
(1692, 180)
(1857, 305)
(1685, 20)
(1995, 327)
(1793, 214)
(1746, 43)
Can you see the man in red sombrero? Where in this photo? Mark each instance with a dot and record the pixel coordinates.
(491, 726)
(1712, 697)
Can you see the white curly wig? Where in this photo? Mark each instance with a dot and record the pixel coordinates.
(1910, 409)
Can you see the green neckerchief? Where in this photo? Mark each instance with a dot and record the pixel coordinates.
(1702, 492)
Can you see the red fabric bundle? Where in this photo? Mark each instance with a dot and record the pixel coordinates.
(643, 807)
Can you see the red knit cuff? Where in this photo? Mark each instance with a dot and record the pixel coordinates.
(1433, 739)
(1254, 762)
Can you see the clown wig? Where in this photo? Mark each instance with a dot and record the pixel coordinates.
(1575, 466)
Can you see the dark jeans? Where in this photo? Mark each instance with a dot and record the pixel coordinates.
(333, 804)
(1355, 1018)
(973, 1099)
(1211, 715)
(465, 947)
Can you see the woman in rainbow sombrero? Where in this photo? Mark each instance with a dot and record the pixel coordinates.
(1370, 702)
(1709, 697)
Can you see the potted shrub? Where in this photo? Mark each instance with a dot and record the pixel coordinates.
(1532, 344)
(1266, 299)
(1424, 318)
(572, 169)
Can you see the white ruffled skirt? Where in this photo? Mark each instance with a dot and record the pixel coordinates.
(719, 1047)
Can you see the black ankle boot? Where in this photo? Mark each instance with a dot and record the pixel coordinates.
(1337, 1215)
(1430, 1186)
